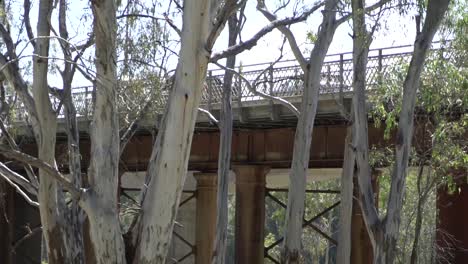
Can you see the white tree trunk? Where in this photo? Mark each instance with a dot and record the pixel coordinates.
(384, 233)
(346, 205)
(436, 10)
(303, 138)
(100, 203)
(361, 42)
(224, 159)
(51, 210)
(169, 161)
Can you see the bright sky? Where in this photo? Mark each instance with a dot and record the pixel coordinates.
(396, 31)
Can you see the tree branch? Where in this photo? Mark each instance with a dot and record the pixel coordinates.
(209, 115)
(29, 171)
(50, 171)
(247, 45)
(15, 178)
(252, 89)
(30, 233)
(27, 21)
(286, 32)
(366, 10)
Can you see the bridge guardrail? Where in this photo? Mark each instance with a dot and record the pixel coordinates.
(284, 79)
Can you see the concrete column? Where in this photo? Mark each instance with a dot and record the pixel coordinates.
(361, 247)
(206, 216)
(250, 214)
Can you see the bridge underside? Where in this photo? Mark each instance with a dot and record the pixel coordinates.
(258, 153)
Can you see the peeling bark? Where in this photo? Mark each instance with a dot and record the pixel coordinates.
(346, 205)
(169, 160)
(303, 137)
(384, 233)
(100, 203)
(436, 10)
(48, 195)
(224, 160)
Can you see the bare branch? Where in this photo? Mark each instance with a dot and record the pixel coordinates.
(7, 63)
(230, 7)
(366, 10)
(134, 125)
(18, 189)
(279, 100)
(27, 21)
(31, 232)
(236, 49)
(286, 32)
(209, 115)
(14, 177)
(165, 18)
(29, 171)
(51, 171)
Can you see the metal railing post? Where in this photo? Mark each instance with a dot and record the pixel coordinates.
(341, 77)
(270, 79)
(209, 88)
(274, 115)
(380, 68)
(86, 111)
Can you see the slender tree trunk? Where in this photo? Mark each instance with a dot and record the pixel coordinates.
(436, 10)
(346, 206)
(419, 216)
(384, 233)
(361, 42)
(224, 160)
(73, 213)
(51, 208)
(303, 138)
(100, 204)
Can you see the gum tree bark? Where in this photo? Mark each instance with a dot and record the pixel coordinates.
(169, 160)
(224, 159)
(50, 198)
(384, 232)
(346, 206)
(303, 136)
(100, 203)
(74, 214)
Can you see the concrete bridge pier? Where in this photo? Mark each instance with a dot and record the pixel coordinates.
(205, 230)
(250, 213)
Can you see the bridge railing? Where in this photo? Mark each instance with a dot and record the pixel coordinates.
(287, 80)
(283, 79)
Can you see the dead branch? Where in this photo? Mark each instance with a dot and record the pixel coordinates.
(252, 89)
(51, 171)
(209, 115)
(247, 45)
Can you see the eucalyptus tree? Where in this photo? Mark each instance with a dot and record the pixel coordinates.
(312, 68)
(148, 239)
(235, 24)
(441, 120)
(384, 231)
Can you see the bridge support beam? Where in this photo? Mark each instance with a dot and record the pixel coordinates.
(250, 214)
(206, 216)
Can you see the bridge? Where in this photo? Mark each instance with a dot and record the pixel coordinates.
(261, 156)
(282, 79)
